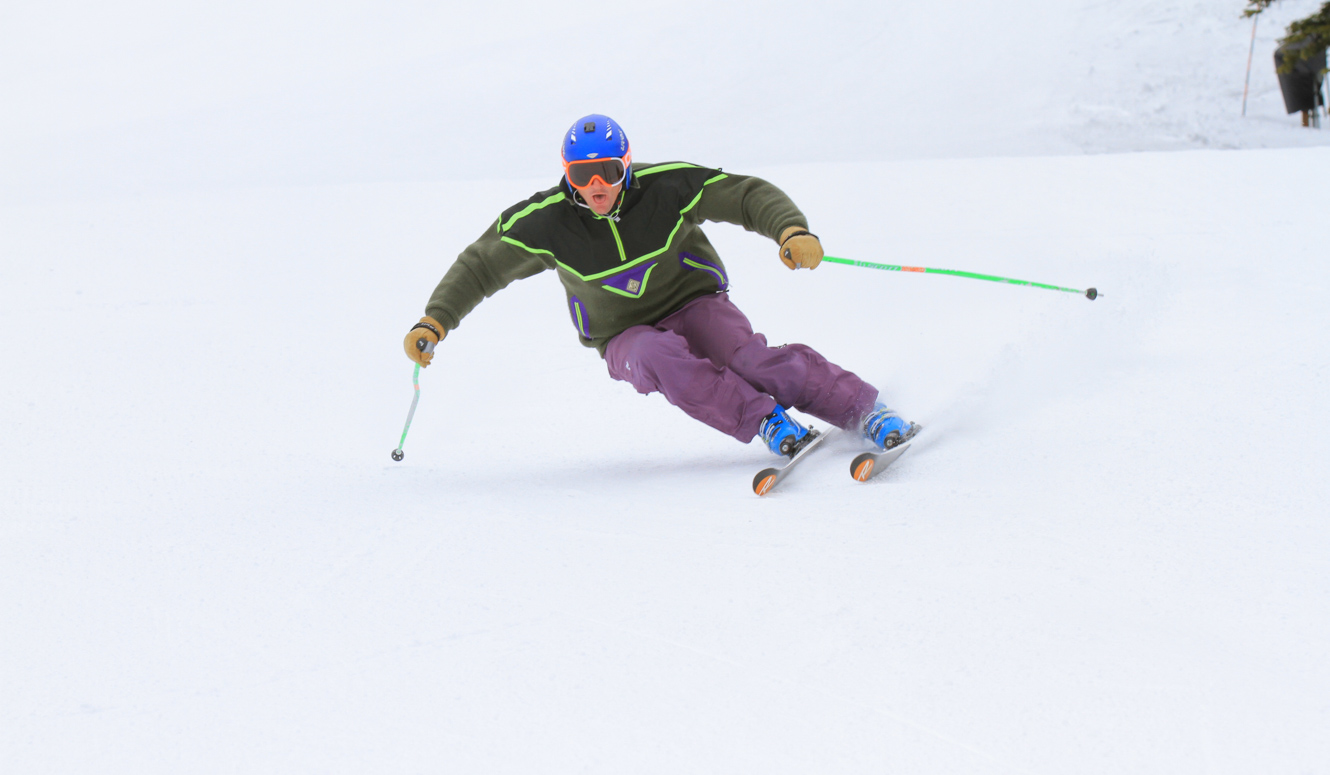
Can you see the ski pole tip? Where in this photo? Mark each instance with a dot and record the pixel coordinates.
(1092, 294)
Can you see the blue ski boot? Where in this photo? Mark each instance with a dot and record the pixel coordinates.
(781, 432)
(885, 428)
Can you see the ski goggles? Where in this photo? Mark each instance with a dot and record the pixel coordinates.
(611, 171)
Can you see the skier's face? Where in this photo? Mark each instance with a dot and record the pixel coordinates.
(600, 197)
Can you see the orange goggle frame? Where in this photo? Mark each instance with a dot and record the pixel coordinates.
(611, 171)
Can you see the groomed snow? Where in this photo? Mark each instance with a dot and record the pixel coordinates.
(1107, 553)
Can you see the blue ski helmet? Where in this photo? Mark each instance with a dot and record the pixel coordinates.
(598, 137)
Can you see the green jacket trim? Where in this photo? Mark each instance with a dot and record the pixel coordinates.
(639, 259)
(720, 278)
(681, 165)
(537, 251)
(531, 208)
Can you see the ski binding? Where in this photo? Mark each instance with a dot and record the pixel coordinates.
(768, 478)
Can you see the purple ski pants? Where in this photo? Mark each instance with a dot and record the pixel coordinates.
(707, 361)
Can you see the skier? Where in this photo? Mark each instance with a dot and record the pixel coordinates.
(647, 290)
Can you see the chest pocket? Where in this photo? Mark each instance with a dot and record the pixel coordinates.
(633, 282)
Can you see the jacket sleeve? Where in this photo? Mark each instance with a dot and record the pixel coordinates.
(750, 202)
(486, 267)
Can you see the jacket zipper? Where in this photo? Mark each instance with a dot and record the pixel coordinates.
(615, 231)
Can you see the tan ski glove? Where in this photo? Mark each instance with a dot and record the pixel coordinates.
(800, 248)
(423, 335)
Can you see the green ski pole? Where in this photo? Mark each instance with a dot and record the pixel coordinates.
(424, 345)
(1089, 293)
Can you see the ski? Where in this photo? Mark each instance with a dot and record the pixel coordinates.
(768, 478)
(870, 464)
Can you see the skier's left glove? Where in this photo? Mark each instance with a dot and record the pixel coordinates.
(427, 332)
(800, 248)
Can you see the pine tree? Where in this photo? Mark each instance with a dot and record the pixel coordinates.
(1254, 7)
(1306, 37)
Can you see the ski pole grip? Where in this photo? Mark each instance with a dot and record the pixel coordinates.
(424, 345)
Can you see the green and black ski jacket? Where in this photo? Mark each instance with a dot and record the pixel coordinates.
(635, 266)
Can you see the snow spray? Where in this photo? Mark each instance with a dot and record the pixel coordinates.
(1089, 293)
(426, 346)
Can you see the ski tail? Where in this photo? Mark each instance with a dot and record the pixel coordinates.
(870, 464)
(765, 480)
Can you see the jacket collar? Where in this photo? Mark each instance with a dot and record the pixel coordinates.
(627, 198)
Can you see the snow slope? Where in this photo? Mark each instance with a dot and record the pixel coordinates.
(1106, 554)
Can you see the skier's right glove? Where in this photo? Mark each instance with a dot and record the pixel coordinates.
(427, 332)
